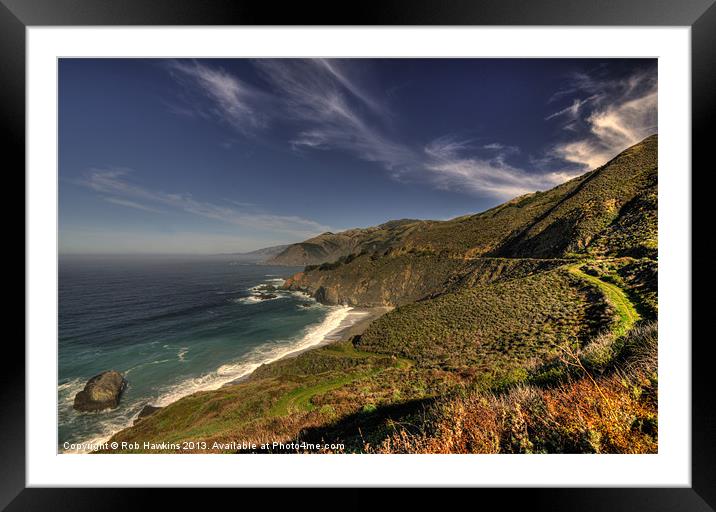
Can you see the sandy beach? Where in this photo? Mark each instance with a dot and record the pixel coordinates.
(355, 323)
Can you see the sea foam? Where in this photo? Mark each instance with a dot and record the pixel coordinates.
(267, 353)
(337, 319)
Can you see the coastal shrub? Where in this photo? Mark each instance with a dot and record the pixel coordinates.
(494, 329)
(640, 351)
(600, 351)
(636, 277)
(608, 211)
(612, 413)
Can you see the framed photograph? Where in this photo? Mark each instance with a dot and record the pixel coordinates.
(417, 246)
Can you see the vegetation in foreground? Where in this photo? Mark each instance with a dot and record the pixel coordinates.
(615, 412)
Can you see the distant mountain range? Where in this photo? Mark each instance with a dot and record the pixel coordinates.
(259, 255)
(328, 246)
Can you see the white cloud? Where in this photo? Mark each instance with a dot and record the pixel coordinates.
(451, 169)
(626, 123)
(330, 109)
(113, 182)
(335, 113)
(333, 110)
(572, 111)
(237, 103)
(337, 71)
(585, 153)
(623, 112)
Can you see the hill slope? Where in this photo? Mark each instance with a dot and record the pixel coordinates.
(610, 211)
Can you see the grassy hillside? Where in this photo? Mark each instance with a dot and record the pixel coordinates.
(496, 328)
(526, 328)
(614, 204)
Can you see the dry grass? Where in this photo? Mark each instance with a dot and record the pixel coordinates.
(613, 413)
(609, 415)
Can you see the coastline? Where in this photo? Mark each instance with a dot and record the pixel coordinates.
(355, 323)
(362, 318)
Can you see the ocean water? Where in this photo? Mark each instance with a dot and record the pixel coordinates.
(172, 326)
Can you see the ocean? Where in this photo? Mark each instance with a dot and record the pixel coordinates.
(173, 326)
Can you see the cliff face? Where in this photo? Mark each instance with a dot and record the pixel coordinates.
(387, 281)
(401, 278)
(610, 211)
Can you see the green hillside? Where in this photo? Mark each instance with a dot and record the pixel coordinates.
(611, 203)
(530, 327)
(493, 328)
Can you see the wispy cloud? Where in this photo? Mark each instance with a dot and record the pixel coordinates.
(333, 111)
(336, 70)
(326, 106)
(236, 102)
(114, 183)
(572, 111)
(613, 115)
(451, 167)
(132, 204)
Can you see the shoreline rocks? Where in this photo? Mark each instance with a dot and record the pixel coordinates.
(101, 392)
(146, 411)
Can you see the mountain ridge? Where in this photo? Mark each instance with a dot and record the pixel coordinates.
(588, 215)
(259, 255)
(329, 246)
(536, 237)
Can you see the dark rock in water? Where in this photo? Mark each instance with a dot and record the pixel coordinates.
(266, 296)
(146, 411)
(320, 295)
(101, 392)
(306, 304)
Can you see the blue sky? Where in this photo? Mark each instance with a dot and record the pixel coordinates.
(215, 155)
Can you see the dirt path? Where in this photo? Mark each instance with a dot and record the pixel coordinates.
(626, 311)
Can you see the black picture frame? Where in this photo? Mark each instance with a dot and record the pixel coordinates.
(700, 15)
